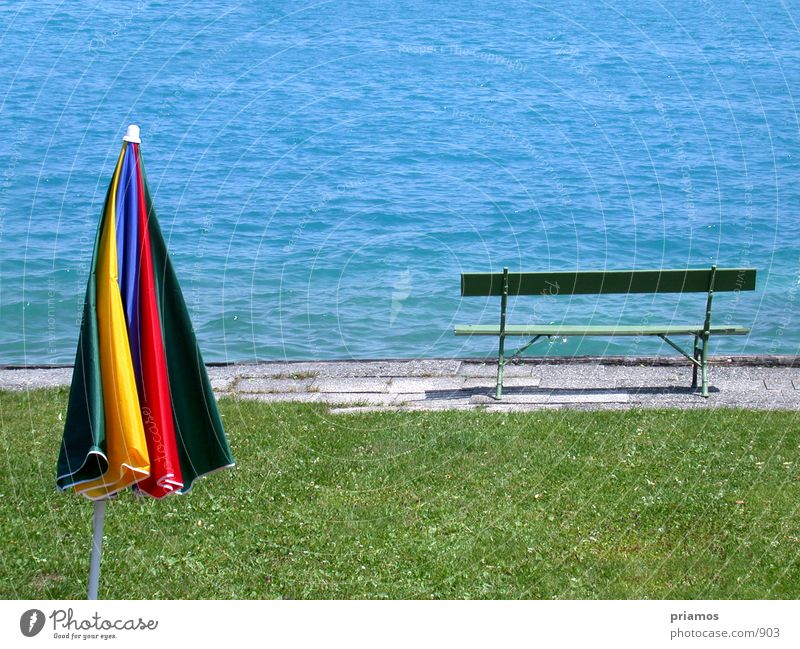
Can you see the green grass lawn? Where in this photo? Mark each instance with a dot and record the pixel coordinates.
(637, 504)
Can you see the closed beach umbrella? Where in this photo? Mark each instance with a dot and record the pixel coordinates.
(141, 411)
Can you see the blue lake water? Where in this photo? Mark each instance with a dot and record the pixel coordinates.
(324, 171)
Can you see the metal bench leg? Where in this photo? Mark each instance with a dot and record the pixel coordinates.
(706, 331)
(704, 368)
(696, 355)
(501, 362)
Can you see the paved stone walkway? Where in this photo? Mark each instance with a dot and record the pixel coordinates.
(353, 386)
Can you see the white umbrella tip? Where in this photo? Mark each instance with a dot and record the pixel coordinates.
(133, 134)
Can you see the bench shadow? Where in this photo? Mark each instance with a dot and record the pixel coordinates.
(466, 393)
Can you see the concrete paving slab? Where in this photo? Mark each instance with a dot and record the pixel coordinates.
(310, 397)
(508, 382)
(567, 376)
(636, 371)
(455, 384)
(358, 398)
(448, 395)
(638, 385)
(275, 370)
(408, 397)
(422, 368)
(778, 383)
(523, 407)
(351, 410)
(357, 410)
(728, 384)
(320, 397)
(507, 391)
(473, 370)
(753, 373)
(407, 368)
(419, 384)
(429, 405)
(268, 385)
(557, 398)
(624, 377)
(353, 385)
(221, 385)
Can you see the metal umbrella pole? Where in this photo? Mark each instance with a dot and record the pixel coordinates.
(97, 547)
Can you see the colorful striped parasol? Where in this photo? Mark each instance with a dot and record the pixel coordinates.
(141, 411)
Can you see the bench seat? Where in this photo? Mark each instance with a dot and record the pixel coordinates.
(551, 284)
(597, 330)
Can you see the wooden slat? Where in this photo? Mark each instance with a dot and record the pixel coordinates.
(609, 282)
(593, 330)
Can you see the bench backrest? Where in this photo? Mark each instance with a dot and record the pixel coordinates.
(590, 282)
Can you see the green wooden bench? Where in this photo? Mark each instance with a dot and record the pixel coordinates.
(708, 281)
